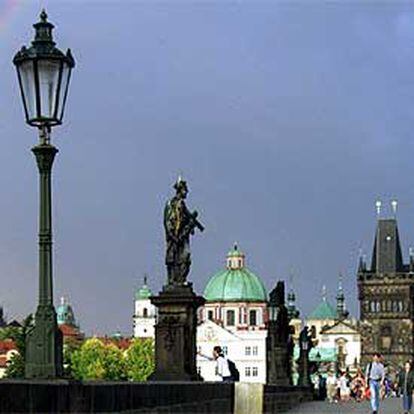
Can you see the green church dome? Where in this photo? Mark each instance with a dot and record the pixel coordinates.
(236, 283)
(143, 292)
(64, 313)
(324, 310)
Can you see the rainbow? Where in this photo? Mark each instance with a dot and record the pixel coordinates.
(8, 9)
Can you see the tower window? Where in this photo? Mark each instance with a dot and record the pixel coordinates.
(145, 312)
(230, 318)
(210, 315)
(252, 318)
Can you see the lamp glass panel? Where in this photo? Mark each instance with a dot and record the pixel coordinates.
(63, 89)
(48, 83)
(26, 72)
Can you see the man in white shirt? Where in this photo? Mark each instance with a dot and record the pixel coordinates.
(222, 367)
(375, 375)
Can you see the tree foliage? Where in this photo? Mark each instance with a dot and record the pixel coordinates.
(139, 359)
(15, 367)
(95, 360)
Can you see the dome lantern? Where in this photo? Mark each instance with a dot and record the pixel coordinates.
(235, 258)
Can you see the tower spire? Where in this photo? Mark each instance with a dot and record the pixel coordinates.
(378, 205)
(340, 299)
(394, 204)
(324, 293)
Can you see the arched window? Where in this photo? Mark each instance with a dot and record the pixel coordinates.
(253, 318)
(230, 318)
(373, 306)
(210, 315)
(145, 312)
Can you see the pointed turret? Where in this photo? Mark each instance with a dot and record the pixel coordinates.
(340, 301)
(293, 312)
(386, 255)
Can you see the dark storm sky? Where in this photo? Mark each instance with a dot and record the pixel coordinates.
(288, 119)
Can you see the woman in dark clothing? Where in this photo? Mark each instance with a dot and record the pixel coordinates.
(406, 386)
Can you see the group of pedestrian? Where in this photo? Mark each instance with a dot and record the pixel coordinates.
(378, 384)
(338, 388)
(373, 385)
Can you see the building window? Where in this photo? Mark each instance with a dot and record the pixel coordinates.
(145, 312)
(210, 315)
(400, 306)
(255, 349)
(230, 318)
(247, 350)
(255, 371)
(372, 303)
(224, 349)
(248, 371)
(252, 318)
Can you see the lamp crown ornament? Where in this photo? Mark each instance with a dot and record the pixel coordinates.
(43, 30)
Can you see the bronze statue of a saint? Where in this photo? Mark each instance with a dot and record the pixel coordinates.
(179, 225)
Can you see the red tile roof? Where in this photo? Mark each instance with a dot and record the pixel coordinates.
(6, 345)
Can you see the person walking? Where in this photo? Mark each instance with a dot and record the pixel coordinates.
(331, 387)
(375, 375)
(406, 386)
(344, 390)
(222, 367)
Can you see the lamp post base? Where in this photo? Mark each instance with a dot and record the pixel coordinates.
(44, 346)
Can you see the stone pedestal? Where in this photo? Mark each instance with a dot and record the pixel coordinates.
(277, 357)
(279, 371)
(175, 334)
(304, 369)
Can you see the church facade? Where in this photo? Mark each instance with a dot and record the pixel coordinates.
(386, 291)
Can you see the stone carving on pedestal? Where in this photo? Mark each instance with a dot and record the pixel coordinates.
(175, 331)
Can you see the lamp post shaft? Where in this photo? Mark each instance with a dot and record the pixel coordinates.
(44, 341)
(45, 155)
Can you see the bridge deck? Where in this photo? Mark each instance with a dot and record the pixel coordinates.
(388, 406)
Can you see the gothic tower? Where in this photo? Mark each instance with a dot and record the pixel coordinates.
(386, 294)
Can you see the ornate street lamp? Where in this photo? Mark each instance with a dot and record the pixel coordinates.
(44, 74)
